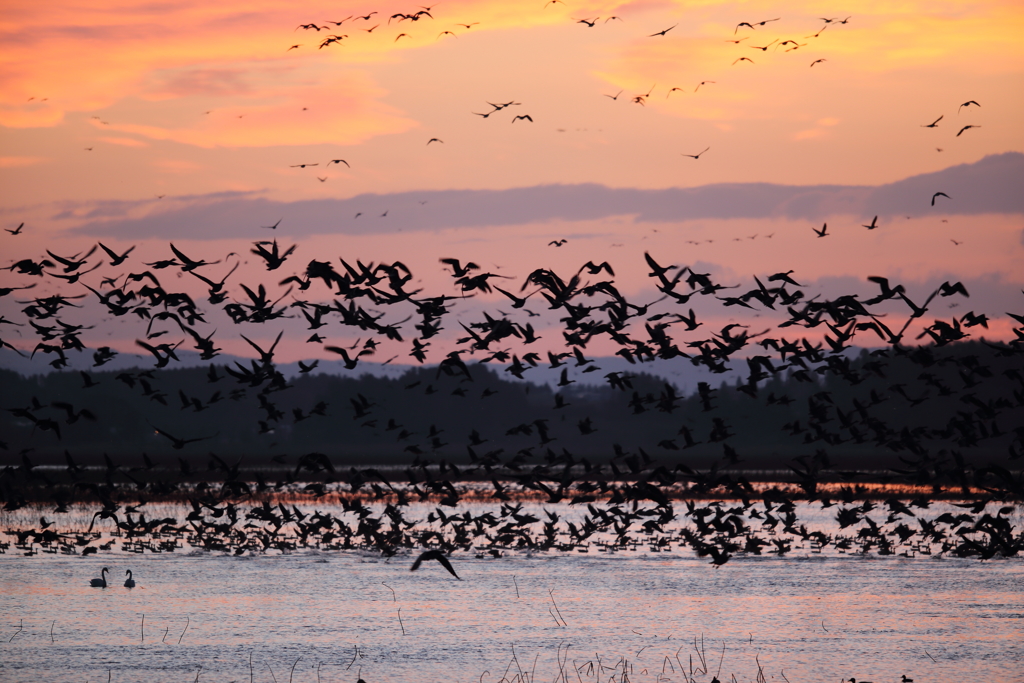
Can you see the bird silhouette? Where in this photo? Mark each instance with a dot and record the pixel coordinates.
(129, 582)
(697, 155)
(102, 581)
(434, 555)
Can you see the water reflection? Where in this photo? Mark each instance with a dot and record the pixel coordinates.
(813, 619)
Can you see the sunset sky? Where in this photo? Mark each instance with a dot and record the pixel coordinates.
(140, 123)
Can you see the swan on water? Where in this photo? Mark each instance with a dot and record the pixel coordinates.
(102, 581)
(129, 582)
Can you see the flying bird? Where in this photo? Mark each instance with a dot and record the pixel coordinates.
(821, 233)
(661, 33)
(967, 104)
(435, 140)
(939, 194)
(743, 59)
(524, 116)
(176, 443)
(697, 155)
(934, 123)
(115, 259)
(966, 128)
(17, 230)
(817, 61)
(434, 555)
(338, 161)
(873, 225)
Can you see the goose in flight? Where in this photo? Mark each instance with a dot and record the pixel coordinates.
(434, 555)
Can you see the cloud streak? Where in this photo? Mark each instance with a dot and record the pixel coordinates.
(990, 186)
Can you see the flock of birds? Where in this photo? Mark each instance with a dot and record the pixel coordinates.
(375, 300)
(788, 44)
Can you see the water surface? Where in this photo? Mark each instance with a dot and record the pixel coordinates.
(801, 617)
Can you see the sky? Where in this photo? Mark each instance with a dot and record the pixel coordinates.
(144, 123)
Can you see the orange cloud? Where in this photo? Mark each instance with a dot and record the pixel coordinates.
(124, 142)
(17, 162)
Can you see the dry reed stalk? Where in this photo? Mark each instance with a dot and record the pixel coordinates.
(290, 675)
(562, 662)
(187, 622)
(400, 620)
(760, 670)
(700, 654)
(142, 630)
(516, 660)
(577, 669)
(20, 625)
(394, 598)
(552, 596)
(51, 629)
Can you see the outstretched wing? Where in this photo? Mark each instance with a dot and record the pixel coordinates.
(434, 555)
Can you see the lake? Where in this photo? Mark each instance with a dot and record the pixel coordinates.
(630, 614)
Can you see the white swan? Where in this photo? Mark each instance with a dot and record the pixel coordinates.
(102, 581)
(129, 582)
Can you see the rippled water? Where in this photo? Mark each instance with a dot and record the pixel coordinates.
(811, 618)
